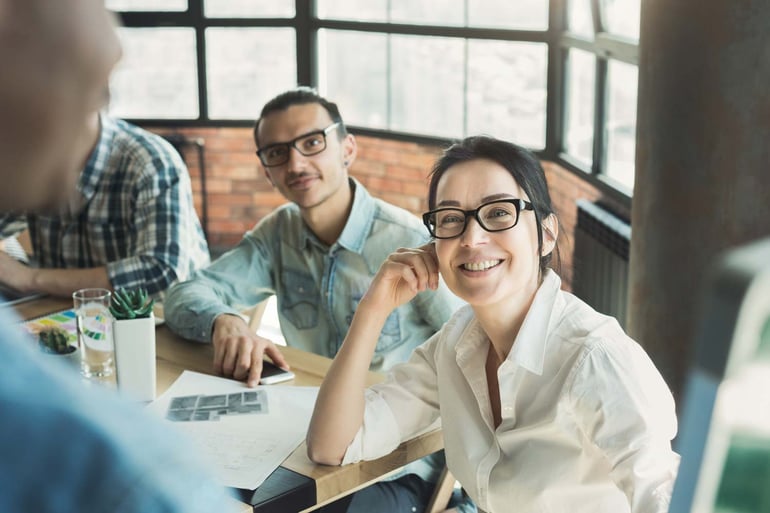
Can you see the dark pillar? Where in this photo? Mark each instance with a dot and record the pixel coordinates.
(702, 164)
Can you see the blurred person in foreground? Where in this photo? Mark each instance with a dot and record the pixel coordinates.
(65, 447)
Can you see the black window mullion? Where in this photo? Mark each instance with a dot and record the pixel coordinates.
(305, 36)
(533, 36)
(556, 75)
(388, 89)
(596, 14)
(600, 118)
(466, 67)
(157, 19)
(199, 24)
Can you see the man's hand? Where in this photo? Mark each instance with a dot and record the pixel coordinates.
(14, 274)
(57, 282)
(238, 351)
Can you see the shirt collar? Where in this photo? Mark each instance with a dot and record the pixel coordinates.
(97, 161)
(357, 227)
(529, 348)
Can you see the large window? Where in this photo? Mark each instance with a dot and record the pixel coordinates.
(600, 48)
(558, 77)
(157, 76)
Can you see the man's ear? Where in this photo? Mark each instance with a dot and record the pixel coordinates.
(550, 234)
(349, 150)
(267, 175)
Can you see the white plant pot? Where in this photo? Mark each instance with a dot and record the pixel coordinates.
(135, 357)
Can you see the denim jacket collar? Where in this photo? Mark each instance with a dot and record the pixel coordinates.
(359, 223)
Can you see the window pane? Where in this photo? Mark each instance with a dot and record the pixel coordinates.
(580, 84)
(146, 5)
(622, 82)
(426, 84)
(247, 67)
(157, 77)
(371, 10)
(356, 81)
(248, 9)
(508, 14)
(507, 91)
(435, 12)
(621, 17)
(579, 18)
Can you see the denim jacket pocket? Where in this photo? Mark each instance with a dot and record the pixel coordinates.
(390, 336)
(299, 304)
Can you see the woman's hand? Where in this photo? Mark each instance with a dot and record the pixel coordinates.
(404, 274)
(339, 409)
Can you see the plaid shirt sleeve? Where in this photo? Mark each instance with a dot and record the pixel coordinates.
(169, 243)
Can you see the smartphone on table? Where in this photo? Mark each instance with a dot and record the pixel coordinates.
(271, 374)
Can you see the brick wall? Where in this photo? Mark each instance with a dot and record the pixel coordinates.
(239, 194)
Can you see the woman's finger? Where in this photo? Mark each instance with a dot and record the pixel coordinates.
(424, 263)
(413, 260)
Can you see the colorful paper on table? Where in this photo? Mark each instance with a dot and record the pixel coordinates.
(65, 319)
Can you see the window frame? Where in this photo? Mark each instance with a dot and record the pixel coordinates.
(559, 40)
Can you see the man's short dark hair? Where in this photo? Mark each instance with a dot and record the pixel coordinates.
(300, 96)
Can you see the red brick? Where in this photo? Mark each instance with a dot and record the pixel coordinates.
(383, 184)
(368, 167)
(230, 199)
(416, 189)
(214, 185)
(271, 200)
(219, 211)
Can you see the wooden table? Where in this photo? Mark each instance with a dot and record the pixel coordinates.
(299, 484)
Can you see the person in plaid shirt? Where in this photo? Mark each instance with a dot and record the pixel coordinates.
(130, 223)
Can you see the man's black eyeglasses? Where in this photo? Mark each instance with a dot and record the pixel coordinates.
(495, 216)
(308, 144)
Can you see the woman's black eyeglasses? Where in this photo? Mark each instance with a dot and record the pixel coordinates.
(495, 216)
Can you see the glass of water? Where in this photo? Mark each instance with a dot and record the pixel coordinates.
(97, 352)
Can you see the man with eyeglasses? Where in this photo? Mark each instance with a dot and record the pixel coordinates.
(317, 255)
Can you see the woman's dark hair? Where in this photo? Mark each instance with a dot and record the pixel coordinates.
(523, 166)
(300, 96)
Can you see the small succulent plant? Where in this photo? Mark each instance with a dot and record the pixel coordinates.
(131, 304)
(55, 341)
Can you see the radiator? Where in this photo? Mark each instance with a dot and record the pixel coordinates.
(600, 264)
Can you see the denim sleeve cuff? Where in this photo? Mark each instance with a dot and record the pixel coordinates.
(196, 324)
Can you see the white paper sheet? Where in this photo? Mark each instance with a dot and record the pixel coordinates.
(244, 449)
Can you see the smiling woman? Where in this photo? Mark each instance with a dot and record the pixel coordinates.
(543, 401)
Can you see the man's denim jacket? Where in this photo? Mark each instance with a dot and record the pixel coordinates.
(317, 287)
